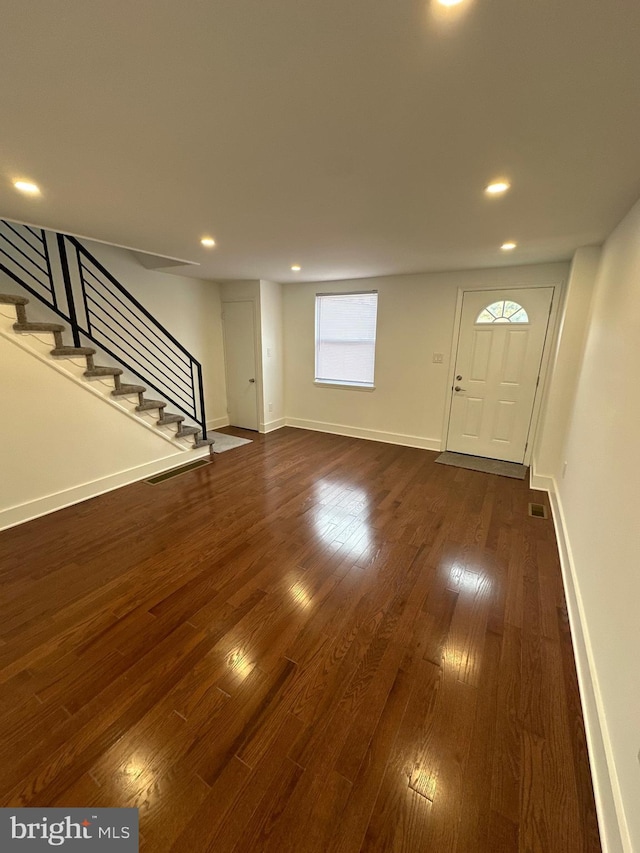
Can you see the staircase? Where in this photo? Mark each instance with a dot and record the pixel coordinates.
(62, 350)
(60, 272)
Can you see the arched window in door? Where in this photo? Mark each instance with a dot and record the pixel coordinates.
(503, 312)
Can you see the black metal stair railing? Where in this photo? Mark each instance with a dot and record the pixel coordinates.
(24, 256)
(59, 271)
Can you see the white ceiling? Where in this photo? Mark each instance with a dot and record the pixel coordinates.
(351, 136)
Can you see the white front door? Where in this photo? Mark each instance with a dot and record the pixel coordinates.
(500, 344)
(240, 364)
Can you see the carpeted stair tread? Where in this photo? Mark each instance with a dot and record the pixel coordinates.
(183, 432)
(121, 390)
(204, 442)
(150, 404)
(39, 327)
(70, 352)
(128, 389)
(103, 371)
(10, 299)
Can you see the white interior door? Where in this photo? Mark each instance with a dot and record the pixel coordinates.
(240, 364)
(500, 345)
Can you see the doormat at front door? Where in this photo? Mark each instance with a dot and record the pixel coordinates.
(488, 466)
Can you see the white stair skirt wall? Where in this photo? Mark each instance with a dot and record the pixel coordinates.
(40, 345)
(62, 440)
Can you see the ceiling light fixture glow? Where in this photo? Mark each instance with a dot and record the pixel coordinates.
(497, 187)
(449, 2)
(209, 242)
(296, 268)
(27, 187)
(507, 247)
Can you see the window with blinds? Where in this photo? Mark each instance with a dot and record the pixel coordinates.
(346, 338)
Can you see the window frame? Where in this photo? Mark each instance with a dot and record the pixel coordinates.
(345, 384)
(503, 320)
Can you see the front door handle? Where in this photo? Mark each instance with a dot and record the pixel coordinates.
(458, 388)
(252, 380)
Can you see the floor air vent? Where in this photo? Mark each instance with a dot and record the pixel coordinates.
(538, 511)
(175, 472)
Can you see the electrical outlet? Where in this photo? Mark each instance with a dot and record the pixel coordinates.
(268, 352)
(270, 407)
(438, 358)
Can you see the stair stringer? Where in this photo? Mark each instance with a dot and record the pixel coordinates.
(29, 309)
(57, 448)
(39, 347)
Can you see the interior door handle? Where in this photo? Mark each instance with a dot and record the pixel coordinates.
(252, 380)
(458, 388)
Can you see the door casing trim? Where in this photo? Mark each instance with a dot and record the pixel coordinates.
(558, 288)
(257, 352)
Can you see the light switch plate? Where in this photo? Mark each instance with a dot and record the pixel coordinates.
(438, 358)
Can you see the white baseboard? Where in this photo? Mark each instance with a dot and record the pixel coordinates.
(216, 423)
(369, 434)
(271, 426)
(15, 515)
(540, 482)
(614, 833)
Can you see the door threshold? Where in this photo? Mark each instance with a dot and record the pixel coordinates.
(481, 463)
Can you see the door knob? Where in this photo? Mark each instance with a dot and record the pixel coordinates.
(458, 388)
(252, 380)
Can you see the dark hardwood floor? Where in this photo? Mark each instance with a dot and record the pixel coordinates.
(315, 643)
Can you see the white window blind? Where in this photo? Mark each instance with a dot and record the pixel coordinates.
(346, 338)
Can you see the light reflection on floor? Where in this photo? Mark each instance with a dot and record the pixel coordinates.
(300, 595)
(240, 663)
(138, 772)
(426, 782)
(341, 517)
(469, 581)
(134, 768)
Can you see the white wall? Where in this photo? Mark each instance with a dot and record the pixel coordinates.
(565, 364)
(266, 298)
(100, 447)
(272, 344)
(598, 502)
(189, 308)
(415, 319)
(59, 442)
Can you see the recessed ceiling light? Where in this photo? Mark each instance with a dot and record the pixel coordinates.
(296, 268)
(507, 247)
(209, 242)
(449, 2)
(27, 187)
(497, 187)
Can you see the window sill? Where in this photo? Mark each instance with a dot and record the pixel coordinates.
(342, 386)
